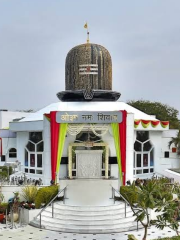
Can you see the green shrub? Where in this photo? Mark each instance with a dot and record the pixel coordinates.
(126, 193)
(131, 237)
(1, 196)
(4, 172)
(3, 207)
(45, 195)
(29, 193)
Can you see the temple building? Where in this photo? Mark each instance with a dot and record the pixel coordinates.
(89, 136)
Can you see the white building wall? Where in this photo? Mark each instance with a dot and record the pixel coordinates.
(174, 160)
(130, 147)
(160, 141)
(68, 139)
(22, 139)
(8, 143)
(47, 152)
(156, 141)
(8, 116)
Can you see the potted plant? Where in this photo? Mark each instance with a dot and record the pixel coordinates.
(14, 204)
(3, 208)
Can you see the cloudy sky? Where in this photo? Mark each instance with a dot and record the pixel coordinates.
(143, 38)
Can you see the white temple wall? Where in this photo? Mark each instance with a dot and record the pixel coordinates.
(8, 143)
(130, 146)
(22, 139)
(68, 139)
(47, 152)
(7, 116)
(166, 138)
(173, 161)
(160, 141)
(156, 141)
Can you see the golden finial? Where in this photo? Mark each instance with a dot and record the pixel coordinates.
(86, 26)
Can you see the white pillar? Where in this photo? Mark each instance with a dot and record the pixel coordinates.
(47, 152)
(106, 161)
(70, 162)
(129, 146)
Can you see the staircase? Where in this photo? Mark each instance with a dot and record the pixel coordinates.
(87, 219)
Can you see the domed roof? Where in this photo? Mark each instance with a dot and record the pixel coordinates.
(88, 74)
(88, 65)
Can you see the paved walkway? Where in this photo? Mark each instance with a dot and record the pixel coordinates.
(28, 232)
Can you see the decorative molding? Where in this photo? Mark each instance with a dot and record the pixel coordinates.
(151, 124)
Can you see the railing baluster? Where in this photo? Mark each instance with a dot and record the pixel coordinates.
(6, 218)
(12, 218)
(64, 195)
(137, 226)
(125, 209)
(125, 201)
(40, 220)
(51, 202)
(52, 209)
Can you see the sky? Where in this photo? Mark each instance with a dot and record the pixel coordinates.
(143, 38)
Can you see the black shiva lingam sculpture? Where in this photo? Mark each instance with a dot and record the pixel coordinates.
(88, 75)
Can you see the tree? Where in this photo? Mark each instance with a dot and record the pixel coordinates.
(168, 218)
(176, 142)
(170, 211)
(144, 197)
(162, 111)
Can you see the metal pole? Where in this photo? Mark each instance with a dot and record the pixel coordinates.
(64, 195)
(137, 226)
(8, 172)
(114, 195)
(125, 209)
(6, 218)
(52, 209)
(12, 218)
(114, 198)
(20, 214)
(40, 221)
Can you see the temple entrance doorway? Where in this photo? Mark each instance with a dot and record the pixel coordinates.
(89, 163)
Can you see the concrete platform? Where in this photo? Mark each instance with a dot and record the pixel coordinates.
(32, 233)
(89, 192)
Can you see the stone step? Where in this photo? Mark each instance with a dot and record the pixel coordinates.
(81, 216)
(87, 219)
(88, 229)
(93, 222)
(120, 205)
(84, 213)
(111, 210)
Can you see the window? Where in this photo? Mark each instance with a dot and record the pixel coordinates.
(33, 161)
(3, 158)
(143, 154)
(166, 154)
(12, 153)
(35, 137)
(174, 150)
